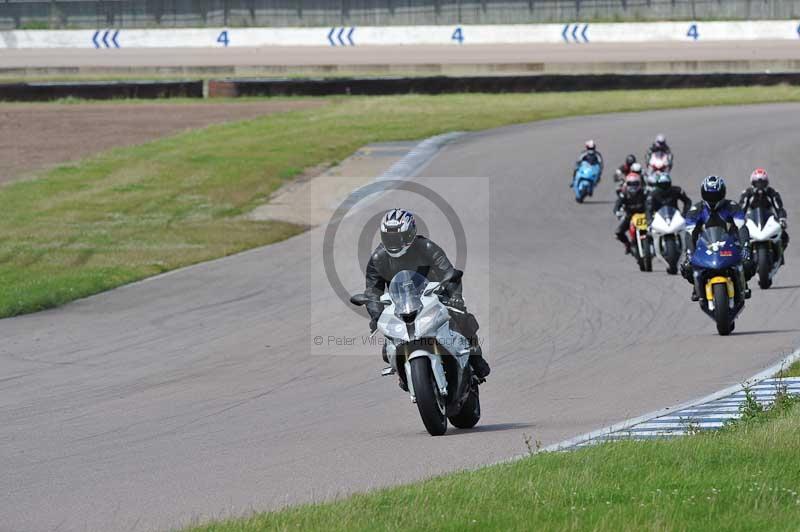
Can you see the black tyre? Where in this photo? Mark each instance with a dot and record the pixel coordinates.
(429, 401)
(648, 263)
(764, 258)
(672, 255)
(722, 309)
(470, 413)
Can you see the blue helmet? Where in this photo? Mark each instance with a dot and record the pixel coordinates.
(713, 190)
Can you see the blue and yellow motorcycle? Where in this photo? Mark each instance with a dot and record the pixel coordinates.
(717, 259)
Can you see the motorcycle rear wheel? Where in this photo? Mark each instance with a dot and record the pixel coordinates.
(430, 403)
(722, 310)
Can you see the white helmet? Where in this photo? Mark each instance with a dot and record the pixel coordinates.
(636, 168)
(398, 231)
(590, 145)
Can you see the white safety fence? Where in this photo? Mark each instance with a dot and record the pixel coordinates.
(578, 33)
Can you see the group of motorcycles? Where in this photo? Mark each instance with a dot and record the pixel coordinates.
(432, 359)
(717, 255)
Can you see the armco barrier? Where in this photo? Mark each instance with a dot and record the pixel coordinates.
(110, 39)
(33, 92)
(489, 84)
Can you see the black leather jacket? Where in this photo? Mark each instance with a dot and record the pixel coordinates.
(769, 199)
(423, 257)
(630, 204)
(659, 198)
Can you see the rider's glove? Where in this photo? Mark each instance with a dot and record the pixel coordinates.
(620, 214)
(455, 302)
(746, 255)
(783, 223)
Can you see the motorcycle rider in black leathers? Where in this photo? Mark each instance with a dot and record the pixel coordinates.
(624, 169)
(591, 156)
(665, 194)
(760, 194)
(402, 249)
(631, 200)
(715, 210)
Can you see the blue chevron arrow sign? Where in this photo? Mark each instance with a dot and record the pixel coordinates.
(100, 42)
(577, 32)
(342, 37)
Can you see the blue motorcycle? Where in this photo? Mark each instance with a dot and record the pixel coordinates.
(584, 180)
(717, 259)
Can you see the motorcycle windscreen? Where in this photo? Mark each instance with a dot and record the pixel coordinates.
(716, 249)
(759, 216)
(406, 289)
(668, 213)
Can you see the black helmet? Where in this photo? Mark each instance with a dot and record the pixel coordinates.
(630, 159)
(398, 230)
(664, 181)
(713, 190)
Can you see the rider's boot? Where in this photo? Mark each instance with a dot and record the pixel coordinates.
(479, 365)
(625, 242)
(742, 284)
(697, 291)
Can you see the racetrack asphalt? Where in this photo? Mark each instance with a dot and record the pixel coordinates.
(402, 55)
(198, 394)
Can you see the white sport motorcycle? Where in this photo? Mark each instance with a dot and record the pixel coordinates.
(667, 229)
(432, 360)
(765, 240)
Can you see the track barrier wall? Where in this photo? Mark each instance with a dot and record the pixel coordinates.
(383, 86)
(111, 38)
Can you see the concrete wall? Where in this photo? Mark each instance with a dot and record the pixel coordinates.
(41, 14)
(573, 34)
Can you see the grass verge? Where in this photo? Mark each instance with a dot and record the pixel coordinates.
(134, 212)
(744, 477)
(792, 371)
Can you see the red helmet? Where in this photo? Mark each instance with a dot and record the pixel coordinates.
(759, 178)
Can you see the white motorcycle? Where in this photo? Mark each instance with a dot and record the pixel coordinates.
(765, 240)
(432, 360)
(667, 229)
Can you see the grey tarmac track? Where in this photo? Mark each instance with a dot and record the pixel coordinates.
(402, 55)
(195, 394)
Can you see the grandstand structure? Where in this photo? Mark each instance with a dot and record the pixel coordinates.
(75, 14)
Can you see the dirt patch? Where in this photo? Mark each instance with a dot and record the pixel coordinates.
(35, 136)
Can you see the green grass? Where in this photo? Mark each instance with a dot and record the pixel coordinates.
(744, 477)
(134, 212)
(792, 371)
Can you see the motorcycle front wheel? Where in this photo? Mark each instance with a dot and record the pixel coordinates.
(722, 310)
(647, 260)
(671, 254)
(430, 402)
(764, 267)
